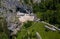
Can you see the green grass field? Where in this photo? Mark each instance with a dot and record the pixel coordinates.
(39, 27)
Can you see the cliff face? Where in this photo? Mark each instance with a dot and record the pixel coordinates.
(8, 9)
(9, 3)
(12, 4)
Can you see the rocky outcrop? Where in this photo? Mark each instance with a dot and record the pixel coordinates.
(8, 10)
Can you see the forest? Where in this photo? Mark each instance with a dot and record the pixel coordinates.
(49, 11)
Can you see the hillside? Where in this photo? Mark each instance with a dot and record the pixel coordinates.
(29, 19)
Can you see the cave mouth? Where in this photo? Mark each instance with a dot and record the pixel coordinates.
(11, 10)
(20, 9)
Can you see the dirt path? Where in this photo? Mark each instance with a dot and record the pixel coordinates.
(38, 35)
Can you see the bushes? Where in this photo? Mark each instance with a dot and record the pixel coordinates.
(50, 10)
(28, 24)
(3, 28)
(3, 36)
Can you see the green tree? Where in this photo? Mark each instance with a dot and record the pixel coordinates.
(28, 24)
